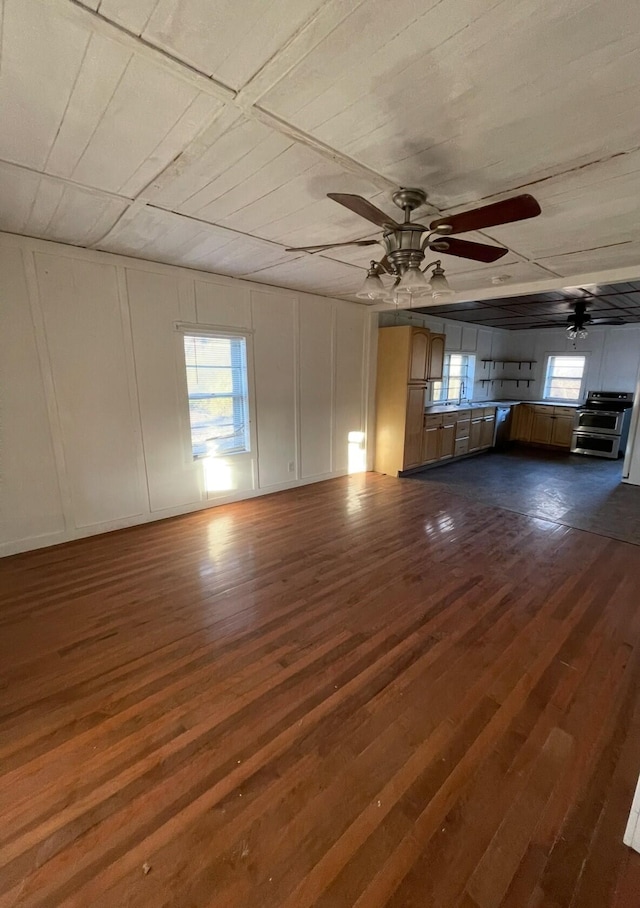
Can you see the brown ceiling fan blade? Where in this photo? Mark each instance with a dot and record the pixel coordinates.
(605, 321)
(467, 250)
(518, 208)
(313, 249)
(362, 207)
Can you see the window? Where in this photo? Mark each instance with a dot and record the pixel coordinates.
(457, 378)
(218, 396)
(563, 380)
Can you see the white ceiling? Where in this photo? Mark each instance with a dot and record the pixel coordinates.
(207, 133)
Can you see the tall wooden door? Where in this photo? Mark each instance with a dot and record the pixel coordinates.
(413, 427)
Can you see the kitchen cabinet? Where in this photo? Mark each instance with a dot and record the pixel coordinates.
(475, 433)
(419, 354)
(413, 428)
(543, 424)
(521, 423)
(405, 365)
(436, 357)
(487, 430)
(439, 437)
(431, 441)
(448, 436)
(562, 431)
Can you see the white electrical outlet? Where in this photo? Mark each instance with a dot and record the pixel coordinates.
(292, 466)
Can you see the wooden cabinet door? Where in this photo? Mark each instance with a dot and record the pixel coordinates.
(521, 424)
(413, 428)
(475, 432)
(431, 444)
(419, 355)
(562, 431)
(542, 427)
(436, 357)
(447, 441)
(487, 430)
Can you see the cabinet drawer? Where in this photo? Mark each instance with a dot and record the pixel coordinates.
(433, 420)
(542, 409)
(461, 447)
(463, 414)
(449, 419)
(489, 411)
(462, 428)
(567, 412)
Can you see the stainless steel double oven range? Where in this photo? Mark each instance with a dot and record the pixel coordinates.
(601, 426)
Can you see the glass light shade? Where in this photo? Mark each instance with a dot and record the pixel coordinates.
(440, 286)
(372, 289)
(414, 282)
(573, 332)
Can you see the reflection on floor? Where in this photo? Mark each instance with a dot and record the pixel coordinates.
(570, 489)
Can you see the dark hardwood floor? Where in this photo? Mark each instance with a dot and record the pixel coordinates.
(365, 692)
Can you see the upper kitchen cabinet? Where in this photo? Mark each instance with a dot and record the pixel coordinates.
(418, 354)
(436, 357)
(413, 355)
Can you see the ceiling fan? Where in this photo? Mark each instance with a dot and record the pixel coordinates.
(579, 320)
(405, 246)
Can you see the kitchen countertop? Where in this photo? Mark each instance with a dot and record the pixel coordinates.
(479, 404)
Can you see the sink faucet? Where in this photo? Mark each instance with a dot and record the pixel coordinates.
(460, 398)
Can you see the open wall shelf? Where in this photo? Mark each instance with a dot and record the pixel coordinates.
(504, 378)
(510, 363)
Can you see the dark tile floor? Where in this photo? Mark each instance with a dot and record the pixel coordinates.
(581, 492)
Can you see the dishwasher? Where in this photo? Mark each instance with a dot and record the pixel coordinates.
(503, 427)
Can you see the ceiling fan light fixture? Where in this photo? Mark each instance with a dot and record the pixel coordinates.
(414, 282)
(575, 332)
(440, 285)
(372, 288)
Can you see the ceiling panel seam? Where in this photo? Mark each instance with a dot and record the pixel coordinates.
(71, 92)
(310, 34)
(1, 32)
(68, 181)
(74, 9)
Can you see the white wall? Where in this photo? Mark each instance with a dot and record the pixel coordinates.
(94, 414)
(613, 356)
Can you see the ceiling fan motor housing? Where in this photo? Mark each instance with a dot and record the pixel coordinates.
(404, 246)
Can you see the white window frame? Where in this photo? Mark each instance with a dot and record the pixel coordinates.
(545, 377)
(445, 382)
(196, 330)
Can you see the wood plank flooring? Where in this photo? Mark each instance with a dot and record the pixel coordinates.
(357, 694)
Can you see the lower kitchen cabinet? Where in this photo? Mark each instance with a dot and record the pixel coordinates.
(543, 424)
(521, 420)
(431, 439)
(448, 437)
(562, 432)
(475, 433)
(488, 429)
(438, 437)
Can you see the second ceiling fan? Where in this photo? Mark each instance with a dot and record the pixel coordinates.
(579, 320)
(405, 242)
